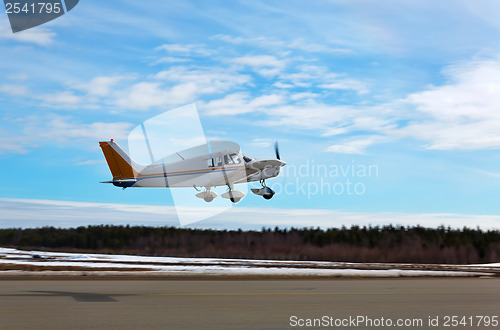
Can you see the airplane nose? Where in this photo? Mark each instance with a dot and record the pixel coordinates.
(282, 163)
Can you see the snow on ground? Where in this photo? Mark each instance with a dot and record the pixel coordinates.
(14, 262)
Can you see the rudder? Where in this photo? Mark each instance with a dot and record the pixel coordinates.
(120, 164)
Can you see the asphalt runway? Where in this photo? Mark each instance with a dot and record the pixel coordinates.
(245, 304)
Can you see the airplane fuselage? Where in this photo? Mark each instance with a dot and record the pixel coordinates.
(222, 168)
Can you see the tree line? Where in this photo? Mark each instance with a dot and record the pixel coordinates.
(355, 244)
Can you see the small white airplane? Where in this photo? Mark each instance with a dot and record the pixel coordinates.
(225, 167)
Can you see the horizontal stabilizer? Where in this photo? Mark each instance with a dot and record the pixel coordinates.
(124, 183)
(121, 181)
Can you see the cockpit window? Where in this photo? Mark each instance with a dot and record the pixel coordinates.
(215, 162)
(232, 159)
(235, 158)
(228, 160)
(218, 161)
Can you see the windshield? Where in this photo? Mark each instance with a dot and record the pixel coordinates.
(247, 159)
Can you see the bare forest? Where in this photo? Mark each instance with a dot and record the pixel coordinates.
(355, 244)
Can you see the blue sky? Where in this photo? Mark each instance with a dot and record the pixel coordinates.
(410, 88)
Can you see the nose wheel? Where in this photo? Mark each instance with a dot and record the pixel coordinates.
(270, 195)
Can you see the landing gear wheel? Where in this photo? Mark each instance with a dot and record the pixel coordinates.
(268, 196)
(208, 199)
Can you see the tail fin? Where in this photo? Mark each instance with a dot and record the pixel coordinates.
(120, 164)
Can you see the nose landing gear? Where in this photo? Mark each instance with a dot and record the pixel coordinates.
(265, 191)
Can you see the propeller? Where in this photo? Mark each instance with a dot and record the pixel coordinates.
(277, 150)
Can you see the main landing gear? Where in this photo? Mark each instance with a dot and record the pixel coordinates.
(207, 195)
(233, 195)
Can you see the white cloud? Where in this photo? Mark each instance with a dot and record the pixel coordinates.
(39, 36)
(145, 95)
(259, 60)
(301, 44)
(30, 132)
(354, 147)
(303, 96)
(18, 76)
(174, 87)
(90, 162)
(491, 174)
(346, 84)
(184, 49)
(265, 65)
(240, 40)
(312, 77)
(170, 59)
(282, 85)
(261, 143)
(462, 114)
(241, 103)
(294, 44)
(14, 90)
(207, 80)
(11, 143)
(64, 99)
(63, 129)
(178, 86)
(101, 85)
(275, 110)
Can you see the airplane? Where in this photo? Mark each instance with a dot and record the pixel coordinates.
(224, 166)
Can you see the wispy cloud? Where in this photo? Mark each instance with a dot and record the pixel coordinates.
(265, 65)
(40, 36)
(34, 131)
(170, 59)
(261, 143)
(185, 49)
(462, 113)
(295, 44)
(354, 146)
(346, 84)
(285, 90)
(13, 143)
(241, 103)
(90, 162)
(14, 90)
(38, 213)
(495, 175)
(64, 99)
(145, 95)
(102, 85)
